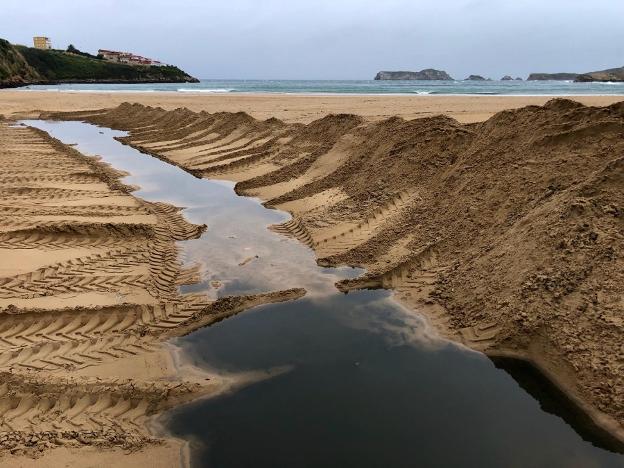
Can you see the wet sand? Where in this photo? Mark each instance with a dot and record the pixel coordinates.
(89, 295)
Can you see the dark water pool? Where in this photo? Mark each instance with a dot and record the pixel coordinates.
(366, 384)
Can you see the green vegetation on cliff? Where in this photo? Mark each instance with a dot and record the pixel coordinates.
(14, 70)
(20, 65)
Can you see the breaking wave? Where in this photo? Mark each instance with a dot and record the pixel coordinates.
(199, 90)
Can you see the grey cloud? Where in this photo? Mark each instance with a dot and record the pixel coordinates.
(345, 39)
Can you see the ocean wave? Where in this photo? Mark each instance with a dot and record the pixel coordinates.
(89, 91)
(199, 90)
(423, 92)
(106, 91)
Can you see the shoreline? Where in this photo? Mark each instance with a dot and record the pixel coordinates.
(601, 423)
(605, 424)
(199, 92)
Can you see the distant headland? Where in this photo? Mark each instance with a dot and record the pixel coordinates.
(431, 74)
(22, 66)
(426, 74)
(612, 74)
(609, 75)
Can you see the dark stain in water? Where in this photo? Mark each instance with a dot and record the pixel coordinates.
(367, 386)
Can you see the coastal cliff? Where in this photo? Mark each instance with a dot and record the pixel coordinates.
(14, 69)
(426, 74)
(612, 74)
(21, 66)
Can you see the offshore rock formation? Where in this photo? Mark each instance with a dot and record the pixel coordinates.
(609, 75)
(475, 78)
(552, 76)
(427, 74)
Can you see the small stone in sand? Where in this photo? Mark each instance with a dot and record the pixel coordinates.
(247, 260)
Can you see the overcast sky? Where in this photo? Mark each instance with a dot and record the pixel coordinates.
(334, 39)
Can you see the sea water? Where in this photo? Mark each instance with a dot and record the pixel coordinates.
(527, 88)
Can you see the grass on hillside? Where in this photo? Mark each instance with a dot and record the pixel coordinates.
(57, 65)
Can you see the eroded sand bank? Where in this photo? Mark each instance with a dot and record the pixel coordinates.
(506, 234)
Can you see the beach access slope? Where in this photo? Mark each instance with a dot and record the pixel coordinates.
(88, 295)
(506, 234)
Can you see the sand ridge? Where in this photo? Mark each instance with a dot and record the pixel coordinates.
(506, 234)
(88, 296)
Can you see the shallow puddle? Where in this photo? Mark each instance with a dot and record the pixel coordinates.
(366, 385)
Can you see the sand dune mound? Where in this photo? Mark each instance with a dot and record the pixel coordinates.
(507, 234)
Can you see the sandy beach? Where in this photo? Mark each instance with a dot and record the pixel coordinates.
(406, 199)
(500, 223)
(287, 107)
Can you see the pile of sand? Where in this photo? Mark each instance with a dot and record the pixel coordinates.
(507, 234)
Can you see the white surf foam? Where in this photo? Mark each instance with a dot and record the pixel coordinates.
(199, 90)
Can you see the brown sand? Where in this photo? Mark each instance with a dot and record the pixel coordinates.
(88, 295)
(506, 234)
(290, 108)
(166, 454)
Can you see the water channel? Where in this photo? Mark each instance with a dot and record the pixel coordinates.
(367, 385)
